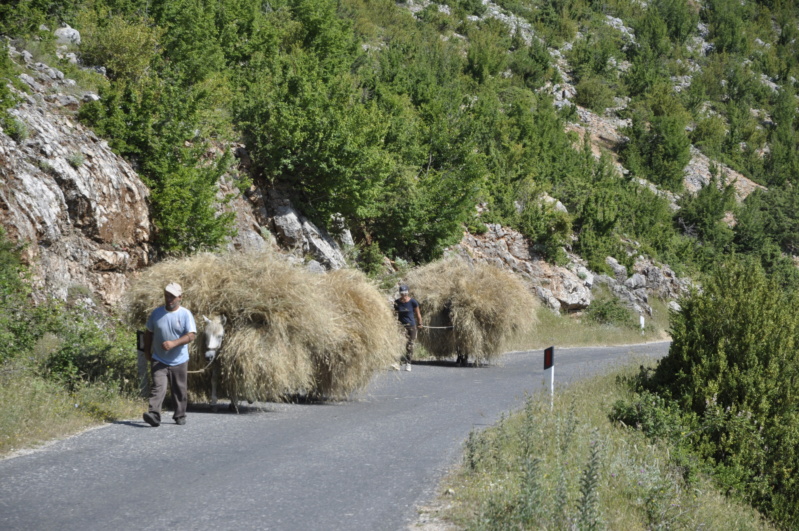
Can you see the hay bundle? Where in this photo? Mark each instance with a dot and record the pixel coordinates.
(289, 331)
(485, 305)
(371, 335)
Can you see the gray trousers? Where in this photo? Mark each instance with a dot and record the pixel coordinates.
(177, 377)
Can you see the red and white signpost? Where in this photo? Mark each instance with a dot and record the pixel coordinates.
(549, 364)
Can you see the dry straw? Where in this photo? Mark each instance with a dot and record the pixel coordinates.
(289, 331)
(486, 306)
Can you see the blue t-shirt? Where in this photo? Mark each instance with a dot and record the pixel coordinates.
(169, 326)
(405, 311)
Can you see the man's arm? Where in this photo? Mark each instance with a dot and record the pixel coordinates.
(182, 340)
(418, 316)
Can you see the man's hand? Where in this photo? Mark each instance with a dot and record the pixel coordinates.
(182, 340)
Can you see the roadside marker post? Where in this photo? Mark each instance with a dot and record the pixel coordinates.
(641, 320)
(142, 365)
(549, 364)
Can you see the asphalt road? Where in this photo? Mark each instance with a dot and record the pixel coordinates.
(360, 465)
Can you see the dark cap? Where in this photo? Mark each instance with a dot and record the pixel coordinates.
(403, 288)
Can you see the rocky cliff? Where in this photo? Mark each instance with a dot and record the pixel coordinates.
(80, 209)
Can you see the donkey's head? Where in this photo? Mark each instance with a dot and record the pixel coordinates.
(214, 333)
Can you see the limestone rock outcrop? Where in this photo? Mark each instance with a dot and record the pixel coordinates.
(569, 288)
(560, 288)
(297, 233)
(80, 209)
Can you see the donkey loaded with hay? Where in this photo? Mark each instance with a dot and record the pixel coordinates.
(286, 331)
(474, 310)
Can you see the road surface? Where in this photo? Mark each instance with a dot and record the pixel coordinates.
(360, 465)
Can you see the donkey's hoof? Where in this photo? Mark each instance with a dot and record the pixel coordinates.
(233, 408)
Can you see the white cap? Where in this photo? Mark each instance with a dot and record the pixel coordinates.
(174, 288)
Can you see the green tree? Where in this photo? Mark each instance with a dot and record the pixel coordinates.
(782, 161)
(727, 26)
(679, 17)
(312, 132)
(733, 364)
(701, 215)
(659, 147)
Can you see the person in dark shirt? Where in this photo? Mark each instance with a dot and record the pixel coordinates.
(410, 317)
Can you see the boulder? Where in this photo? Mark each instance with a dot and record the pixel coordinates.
(295, 232)
(619, 271)
(67, 35)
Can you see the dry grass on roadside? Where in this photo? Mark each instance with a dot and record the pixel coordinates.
(36, 410)
(574, 331)
(570, 468)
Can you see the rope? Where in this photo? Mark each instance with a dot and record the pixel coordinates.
(201, 370)
(437, 327)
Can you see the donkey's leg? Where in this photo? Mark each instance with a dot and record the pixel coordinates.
(234, 403)
(214, 382)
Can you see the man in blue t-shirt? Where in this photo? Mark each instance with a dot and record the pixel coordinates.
(411, 318)
(170, 329)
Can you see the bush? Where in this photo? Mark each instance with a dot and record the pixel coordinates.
(610, 312)
(548, 229)
(594, 93)
(125, 47)
(87, 352)
(709, 133)
(659, 147)
(701, 215)
(733, 364)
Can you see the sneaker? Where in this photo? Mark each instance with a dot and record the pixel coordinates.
(180, 421)
(151, 419)
(408, 367)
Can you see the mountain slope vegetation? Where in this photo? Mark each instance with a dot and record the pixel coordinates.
(402, 118)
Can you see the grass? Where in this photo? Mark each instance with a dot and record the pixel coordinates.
(571, 468)
(578, 331)
(36, 410)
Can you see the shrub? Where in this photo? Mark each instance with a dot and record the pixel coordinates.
(7, 99)
(709, 133)
(679, 16)
(594, 93)
(659, 147)
(733, 364)
(610, 312)
(549, 230)
(89, 351)
(76, 159)
(125, 47)
(701, 215)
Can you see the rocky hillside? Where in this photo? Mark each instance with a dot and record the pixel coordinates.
(345, 165)
(83, 213)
